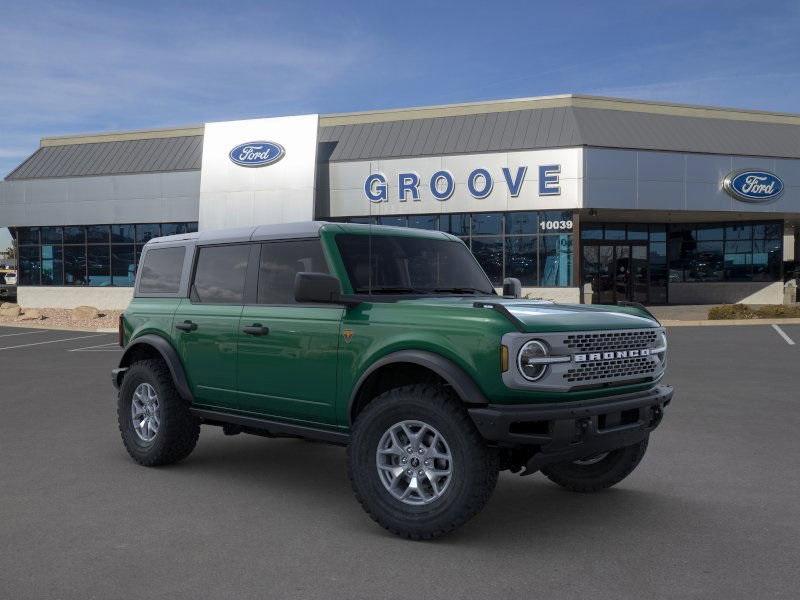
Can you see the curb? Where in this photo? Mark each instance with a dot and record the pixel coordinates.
(729, 322)
(40, 325)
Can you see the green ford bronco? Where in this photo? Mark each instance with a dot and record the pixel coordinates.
(391, 342)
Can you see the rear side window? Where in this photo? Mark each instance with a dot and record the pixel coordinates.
(161, 270)
(281, 262)
(220, 274)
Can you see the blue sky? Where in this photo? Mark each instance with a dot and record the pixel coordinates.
(74, 67)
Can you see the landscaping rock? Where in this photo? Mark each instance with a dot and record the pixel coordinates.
(82, 313)
(13, 311)
(31, 315)
(8, 305)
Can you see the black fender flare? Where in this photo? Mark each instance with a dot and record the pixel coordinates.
(455, 376)
(168, 354)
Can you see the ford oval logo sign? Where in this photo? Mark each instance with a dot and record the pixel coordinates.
(257, 154)
(753, 186)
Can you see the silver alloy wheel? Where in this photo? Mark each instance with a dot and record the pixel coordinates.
(414, 462)
(590, 460)
(145, 412)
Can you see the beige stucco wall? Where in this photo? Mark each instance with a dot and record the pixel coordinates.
(727, 292)
(109, 298)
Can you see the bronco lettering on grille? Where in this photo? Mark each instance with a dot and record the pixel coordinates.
(594, 356)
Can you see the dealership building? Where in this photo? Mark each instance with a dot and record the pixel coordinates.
(581, 198)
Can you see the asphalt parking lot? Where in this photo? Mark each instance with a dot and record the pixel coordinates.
(712, 512)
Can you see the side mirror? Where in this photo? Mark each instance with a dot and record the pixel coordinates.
(512, 287)
(317, 287)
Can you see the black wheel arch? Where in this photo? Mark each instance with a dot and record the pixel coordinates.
(149, 346)
(452, 374)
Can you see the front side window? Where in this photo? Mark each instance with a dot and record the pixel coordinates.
(397, 264)
(280, 264)
(161, 271)
(220, 274)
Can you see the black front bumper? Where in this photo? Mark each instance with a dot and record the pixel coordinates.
(569, 431)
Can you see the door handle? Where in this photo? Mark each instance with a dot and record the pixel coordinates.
(186, 326)
(256, 329)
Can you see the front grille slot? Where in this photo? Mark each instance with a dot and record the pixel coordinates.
(612, 369)
(612, 340)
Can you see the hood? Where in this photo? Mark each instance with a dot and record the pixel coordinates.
(536, 316)
(576, 317)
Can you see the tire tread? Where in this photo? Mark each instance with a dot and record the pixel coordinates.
(484, 462)
(182, 428)
(630, 457)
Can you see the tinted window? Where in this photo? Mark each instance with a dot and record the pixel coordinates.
(393, 221)
(423, 222)
(174, 228)
(522, 222)
(29, 265)
(397, 264)
(487, 224)
(52, 265)
(98, 260)
(455, 224)
(219, 276)
(122, 234)
(51, 235)
(489, 252)
(97, 234)
(28, 235)
(147, 231)
(161, 271)
(74, 235)
(123, 265)
(281, 262)
(75, 265)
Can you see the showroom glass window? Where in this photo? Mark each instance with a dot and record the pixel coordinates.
(534, 246)
(745, 251)
(86, 255)
(599, 241)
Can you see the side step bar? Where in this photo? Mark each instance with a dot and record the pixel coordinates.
(272, 427)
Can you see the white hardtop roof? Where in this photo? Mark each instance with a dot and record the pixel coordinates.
(279, 231)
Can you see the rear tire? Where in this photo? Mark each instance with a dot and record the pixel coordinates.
(425, 425)
(154, 421)
(593, 474)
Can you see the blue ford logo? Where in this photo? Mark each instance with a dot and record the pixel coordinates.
(257, 154)
(753, 186)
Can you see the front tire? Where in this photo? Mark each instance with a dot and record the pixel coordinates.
(417, 464)
(595, 473)
(154, 421)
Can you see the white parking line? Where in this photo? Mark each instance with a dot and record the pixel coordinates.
(782, 333)
(82, 337)
(98, 348)
(24, 333)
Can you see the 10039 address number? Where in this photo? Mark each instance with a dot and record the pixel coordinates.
(556, 225)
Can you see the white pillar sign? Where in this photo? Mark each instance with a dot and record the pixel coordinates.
(258, 171)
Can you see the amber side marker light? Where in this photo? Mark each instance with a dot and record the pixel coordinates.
(503, 358)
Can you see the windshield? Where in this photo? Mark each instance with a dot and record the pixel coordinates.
(410, 265)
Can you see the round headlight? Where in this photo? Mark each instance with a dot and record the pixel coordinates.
(528, 360)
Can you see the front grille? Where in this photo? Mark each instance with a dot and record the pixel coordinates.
(612, 340)
(612, 369)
